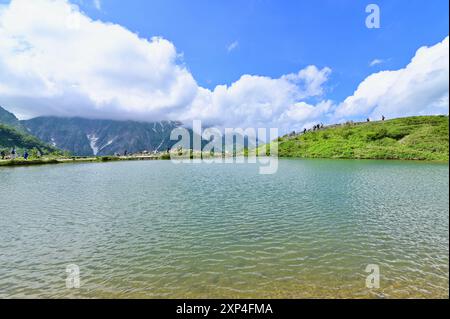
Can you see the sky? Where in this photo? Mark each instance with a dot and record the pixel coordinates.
(233, 63)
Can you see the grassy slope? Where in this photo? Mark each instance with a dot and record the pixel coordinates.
(9, 119)
(412, 138)
(11, 137)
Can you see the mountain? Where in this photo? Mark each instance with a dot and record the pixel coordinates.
(86, 137)
(418, 138)
(14, 134)
(10, 119)
(11, 137)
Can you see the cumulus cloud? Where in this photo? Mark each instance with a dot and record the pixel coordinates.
(257, 100)
(312, 78)
(57, 61)
(54, 60)
(419, 88)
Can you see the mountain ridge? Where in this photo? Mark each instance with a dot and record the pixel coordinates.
(86, 137)
(102, 137)
(14, 135)
(409, 138)
(11, 137)
(8, 118)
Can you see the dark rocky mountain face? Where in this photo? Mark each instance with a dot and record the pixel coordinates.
(85, 137)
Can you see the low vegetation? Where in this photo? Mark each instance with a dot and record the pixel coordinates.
(410, 138)
(11, 137)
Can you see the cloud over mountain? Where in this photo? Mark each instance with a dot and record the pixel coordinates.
(55, 60)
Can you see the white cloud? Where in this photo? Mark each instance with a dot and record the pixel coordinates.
(54, 60)
(303, 115)
(376, 62)
(419, 88)
(258, 100)
(98, 4)
(313, 79)
(57, 61)
(232, 46)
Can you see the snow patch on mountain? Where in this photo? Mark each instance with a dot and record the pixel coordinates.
(93, 143)
(107, 144)
(157, 149)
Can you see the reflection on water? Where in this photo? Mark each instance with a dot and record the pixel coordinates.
(155, 229)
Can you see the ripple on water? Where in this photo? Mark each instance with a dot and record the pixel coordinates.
(158, 230)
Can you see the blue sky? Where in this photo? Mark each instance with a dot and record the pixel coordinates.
(278, 37)
(246, 63)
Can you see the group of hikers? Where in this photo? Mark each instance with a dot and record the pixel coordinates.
(320, 126)
(314, 128)
(13, 154)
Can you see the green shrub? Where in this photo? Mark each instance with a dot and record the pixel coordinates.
(377, 135)
(347, 133)
(165, 156)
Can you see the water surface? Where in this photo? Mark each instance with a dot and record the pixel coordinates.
(154, 229)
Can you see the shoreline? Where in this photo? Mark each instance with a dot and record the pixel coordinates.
(103, 159)
(106, 159)
(408, 160)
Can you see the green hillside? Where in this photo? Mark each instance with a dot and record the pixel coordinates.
(11, 137)
(411, 138)
(10, 119)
